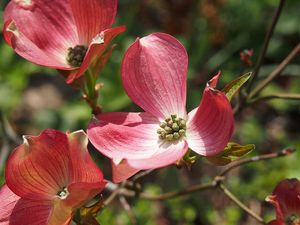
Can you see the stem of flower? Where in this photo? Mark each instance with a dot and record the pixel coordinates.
(91, 92)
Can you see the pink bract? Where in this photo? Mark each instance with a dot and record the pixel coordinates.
(42, 31)
(154, 76)
(286, 200)
(48, 178)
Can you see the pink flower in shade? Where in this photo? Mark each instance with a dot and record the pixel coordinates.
(63, 34)
(154, 76)
(47, 179)
(286, 200)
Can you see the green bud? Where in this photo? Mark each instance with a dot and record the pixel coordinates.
(170, 123)
(168, 129)
(181, 132)
(163, 125)
(175, 127)
(169, 137)
(176, 136)
(182, 123)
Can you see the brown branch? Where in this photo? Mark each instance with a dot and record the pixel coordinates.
(267, 39)
(284, 152)
(275, 72)
(128, 209)
(172, 194)
(115, 192)
(141, 175)
(286, 96)
(233, 198)
(217, 182)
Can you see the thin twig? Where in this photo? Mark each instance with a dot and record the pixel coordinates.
(216, 182)
(173, 194)
(275, 72)
(286, 96)
(116, 189)
(267, 39)
(141, 175)
(284, 152)
(233, 198)
(128, 209)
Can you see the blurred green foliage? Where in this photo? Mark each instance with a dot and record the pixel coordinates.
(214, 32)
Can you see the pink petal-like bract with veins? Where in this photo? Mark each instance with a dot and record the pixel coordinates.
(96, 48)
(210, 126)
(92, 16)
(42, 31)
(27, 31)
(122, 171)
(154, 75)
(286, 199)
(45, 164)
(167, 154)
(18, 211)
(124, 135)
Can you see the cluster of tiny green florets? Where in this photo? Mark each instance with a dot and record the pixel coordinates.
(173, 128)
(76, 55)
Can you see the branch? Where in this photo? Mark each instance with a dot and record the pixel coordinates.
(217, 182)
(115, 192)
(287, 96)
(233, 198)
(266, 44)
(141, 174)
(275, 72)
(284, 152)
(128, 209)
(172, 194)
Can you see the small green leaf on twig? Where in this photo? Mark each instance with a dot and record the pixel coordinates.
(232, 152)
(231, 88)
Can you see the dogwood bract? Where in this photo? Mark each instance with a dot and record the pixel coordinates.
(286, 200)
(154, 76)
(63, 34)
(47, 179)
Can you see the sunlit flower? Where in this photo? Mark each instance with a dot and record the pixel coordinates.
(47, 178)
(63, 34)
(154, 76)
(286, 200)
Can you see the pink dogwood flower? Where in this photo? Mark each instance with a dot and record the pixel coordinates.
(286, 200)
(48, 177)
(154, 76)
(68, 35)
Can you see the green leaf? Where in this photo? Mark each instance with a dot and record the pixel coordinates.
(232, 151)
(231, 88)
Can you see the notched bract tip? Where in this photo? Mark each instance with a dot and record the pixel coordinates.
(12, 27)
(25, 4)
(80, 136)
(98, 39)
(95, 120)
(27, 140)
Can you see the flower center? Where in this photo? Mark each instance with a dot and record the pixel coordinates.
(173, 128)
(63, 194)
(76, 55)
